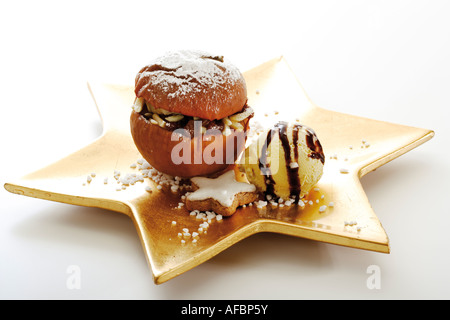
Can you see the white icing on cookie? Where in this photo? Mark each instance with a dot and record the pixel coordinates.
(223, 188)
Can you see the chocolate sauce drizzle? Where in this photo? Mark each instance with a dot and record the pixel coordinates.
(264, 166)
(314, 145)
(293, 176)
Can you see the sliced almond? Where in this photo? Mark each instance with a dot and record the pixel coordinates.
(158, 119)
(174, 118)
(164, 112)
(138, 104)
(226, 131)
(227, 121)
(158, 111)
(242, 115)
(237, 126)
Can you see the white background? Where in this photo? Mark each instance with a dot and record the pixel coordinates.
(387, 60)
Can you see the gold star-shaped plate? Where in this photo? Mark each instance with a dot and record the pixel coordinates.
(353, 147)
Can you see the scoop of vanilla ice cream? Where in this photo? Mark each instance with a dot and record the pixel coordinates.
(286, 161)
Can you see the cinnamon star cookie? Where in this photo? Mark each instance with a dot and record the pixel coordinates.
(222, 194)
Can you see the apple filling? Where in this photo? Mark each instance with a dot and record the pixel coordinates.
(172, 121)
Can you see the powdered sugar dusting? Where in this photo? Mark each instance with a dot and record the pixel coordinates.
(183, 72)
